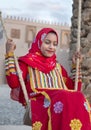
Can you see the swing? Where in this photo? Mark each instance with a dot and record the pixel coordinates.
(77, 65)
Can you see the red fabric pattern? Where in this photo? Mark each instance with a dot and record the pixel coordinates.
(68, 111)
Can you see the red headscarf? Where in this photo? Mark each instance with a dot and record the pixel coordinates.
(35, 59)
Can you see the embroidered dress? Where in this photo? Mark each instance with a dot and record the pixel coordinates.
(58, 108)
(52, 107)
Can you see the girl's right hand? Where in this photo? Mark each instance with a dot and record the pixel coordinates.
(10, 46)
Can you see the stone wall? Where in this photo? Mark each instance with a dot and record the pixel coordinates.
(85, 41)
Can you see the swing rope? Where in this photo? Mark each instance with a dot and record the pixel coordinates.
(17, 67)
(78, 43)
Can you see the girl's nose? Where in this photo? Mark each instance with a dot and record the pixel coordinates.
(51, 45)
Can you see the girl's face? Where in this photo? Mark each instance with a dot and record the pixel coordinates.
(49, 45)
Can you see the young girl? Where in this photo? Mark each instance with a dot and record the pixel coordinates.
(55, 105)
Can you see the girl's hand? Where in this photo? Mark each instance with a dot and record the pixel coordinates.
(76, 56)
(10, 46)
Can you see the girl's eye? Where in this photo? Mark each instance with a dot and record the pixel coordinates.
(47, 42)
(55, 44)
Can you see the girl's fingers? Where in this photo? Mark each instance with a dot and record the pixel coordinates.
(10, 46)
(76, 56)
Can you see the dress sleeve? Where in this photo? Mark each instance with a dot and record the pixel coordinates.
(70, 81)
(11, 72)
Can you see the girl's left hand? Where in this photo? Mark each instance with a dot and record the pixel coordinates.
(76, 56)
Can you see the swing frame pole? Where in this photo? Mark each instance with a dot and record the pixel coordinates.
(78, 43)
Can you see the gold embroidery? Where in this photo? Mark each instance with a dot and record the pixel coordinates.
(31, 59)
(7, 73)
(33, 99)
(37, 125)
(73, 66)
(9, 54)
(64, 79)
(75, 124)
(38, 53)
